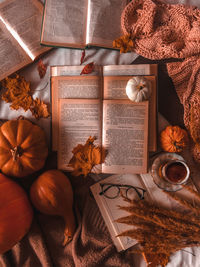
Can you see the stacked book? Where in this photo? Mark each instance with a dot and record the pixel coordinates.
(97, 105)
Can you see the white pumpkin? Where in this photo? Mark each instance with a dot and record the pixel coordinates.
(138, 89)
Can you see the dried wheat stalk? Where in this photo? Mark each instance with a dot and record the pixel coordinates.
(161, 231)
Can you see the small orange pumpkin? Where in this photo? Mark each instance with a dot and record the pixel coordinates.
(23, 148)
(173, 139)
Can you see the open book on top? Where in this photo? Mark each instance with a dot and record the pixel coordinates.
(82, 23)
(20, 27)
(107, 195)
(97, 105)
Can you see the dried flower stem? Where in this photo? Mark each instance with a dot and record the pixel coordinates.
(160, 231)
(192, 191)
(183, 202)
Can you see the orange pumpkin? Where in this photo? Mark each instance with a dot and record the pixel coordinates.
(16, 213)
(173, 139)
(23, 148)
(52, 194)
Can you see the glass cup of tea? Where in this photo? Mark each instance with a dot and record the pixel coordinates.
(175, 171)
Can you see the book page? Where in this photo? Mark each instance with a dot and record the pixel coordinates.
(78, 119)
(103, 24)
(64, 23)
(73, 70)
(125, 136)
(134, 69)
(109, 207)
(12, 56)
(114, 88)
(24, 18)
(70, 87)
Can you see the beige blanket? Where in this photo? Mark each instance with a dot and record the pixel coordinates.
(91, 245)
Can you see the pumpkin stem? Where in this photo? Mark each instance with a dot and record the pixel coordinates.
(140, 86)
(20, 118)
(178, 146)
(16, 152)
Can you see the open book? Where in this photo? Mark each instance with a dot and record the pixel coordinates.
(97, 105)
(20, 27)
(110, 199)
(81, 23)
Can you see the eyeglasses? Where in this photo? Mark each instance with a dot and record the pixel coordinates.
(112, 191)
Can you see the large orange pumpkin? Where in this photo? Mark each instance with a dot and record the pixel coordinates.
(16, 213)
(173, 139)
(23, 148)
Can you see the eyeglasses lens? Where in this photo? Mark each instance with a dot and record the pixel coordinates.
(131, 193)
(111, 192)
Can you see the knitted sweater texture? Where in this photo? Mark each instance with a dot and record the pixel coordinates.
(163, 31)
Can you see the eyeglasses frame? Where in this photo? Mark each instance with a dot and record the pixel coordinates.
(141, 196)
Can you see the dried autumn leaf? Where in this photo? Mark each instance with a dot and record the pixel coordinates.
(39, 109)
(15, 86)
(22, 101)
(96, 155)
(125, 43)
(41, 69)
(82, 57)
(88, 68)
(85, 157)
(18, 93)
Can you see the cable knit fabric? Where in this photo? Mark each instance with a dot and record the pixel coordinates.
(186, 79)
(163, 31)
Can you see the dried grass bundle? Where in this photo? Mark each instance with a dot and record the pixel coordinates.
(160, 231)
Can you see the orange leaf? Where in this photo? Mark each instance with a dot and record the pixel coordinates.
(18, 93)
(39, 109)
(41, 68)
(88, 68)
(82, 56)
(124, 43)
(85, 157)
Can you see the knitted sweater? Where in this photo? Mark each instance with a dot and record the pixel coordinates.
(161, 31)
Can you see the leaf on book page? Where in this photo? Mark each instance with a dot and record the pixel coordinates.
(82, 57)
(41, 69)
(18, 93)
(124, 43)
(86, 157)
(88, 68)
(39, 109)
